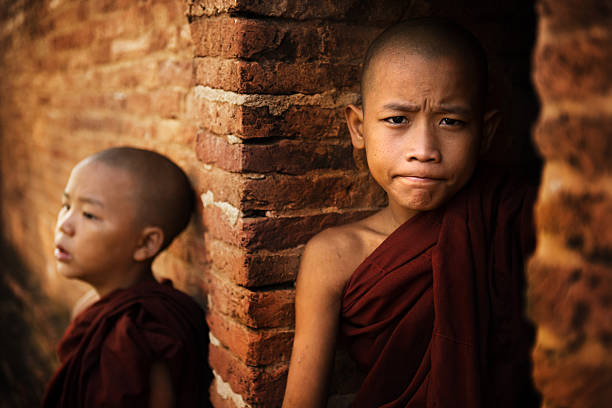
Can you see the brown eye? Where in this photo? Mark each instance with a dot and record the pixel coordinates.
(396, 120)
(451, 122)
(89, 216)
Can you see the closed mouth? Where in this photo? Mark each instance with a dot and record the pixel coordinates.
(419, 178)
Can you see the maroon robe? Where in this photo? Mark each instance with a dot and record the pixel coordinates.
(107, 351)
(434, 316)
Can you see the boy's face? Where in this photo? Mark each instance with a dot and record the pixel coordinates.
(421, 126)
(97, 232)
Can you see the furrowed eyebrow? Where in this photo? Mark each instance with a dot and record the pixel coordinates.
(456, 109)
(404, 107)
(86, 200)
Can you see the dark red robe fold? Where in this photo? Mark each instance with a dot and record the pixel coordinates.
(434, 316)
(107, 351)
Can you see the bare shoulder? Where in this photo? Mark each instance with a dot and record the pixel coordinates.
(333, 254)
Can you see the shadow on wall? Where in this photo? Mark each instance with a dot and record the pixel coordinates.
(31, 327)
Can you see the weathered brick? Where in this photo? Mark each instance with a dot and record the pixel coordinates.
(581, 220)
(106, 6)
(139, 73)
(131, 48)
(167, 103)
(581, 141)
(237, 37)
(256, 309)
(175, 131)
(314, 190)
(572, 14)
(572, 299)
(574, 66)
(226, 187)
(253, 270)
(259, 386)
(78, 38)
(175, 72)
(580, 379)
(284, 156)
(268, 116)
(262, 232)
(253, 347)
(380, 11)
(275, 77)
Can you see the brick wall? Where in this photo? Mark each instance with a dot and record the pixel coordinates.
(247, 97)
(570, 288)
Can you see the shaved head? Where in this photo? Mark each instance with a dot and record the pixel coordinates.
(163, 193)
(430, 38)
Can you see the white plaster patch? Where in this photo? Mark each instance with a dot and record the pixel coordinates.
(226, 392)
(277, 104)
(231, 139)
(231, 213)
(213, 340)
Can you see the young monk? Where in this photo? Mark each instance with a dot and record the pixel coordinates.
(143, 343)
(427, 292)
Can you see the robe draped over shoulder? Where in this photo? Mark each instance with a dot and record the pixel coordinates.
(107, 351)
(434, 316)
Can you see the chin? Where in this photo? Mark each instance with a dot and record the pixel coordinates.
(67, 272)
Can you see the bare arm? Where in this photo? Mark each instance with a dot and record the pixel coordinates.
(162, 395)
(317, 309)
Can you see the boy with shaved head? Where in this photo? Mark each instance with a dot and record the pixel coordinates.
(142, 343)
(427, 293)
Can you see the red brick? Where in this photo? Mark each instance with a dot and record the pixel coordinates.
(253, 347)
(581, 220)
(284, 156)
(218, 401)
(572, 14)
(70, 14)
(276, 77)
(77, 38)
(259, 386)
(307, 121)
(133, 74)
(106, 6)
(256, 309)
(253, 269)
(175, 131)
(312, 191)
(173, 72)
(129, 24)
(233, 37)
(262, 232)
(581, 141)
(167, 103)
(237, 37)
(572, 300)
(380, 11)
(572, 379)
(132, 48)
(226, 187)
(575, 66)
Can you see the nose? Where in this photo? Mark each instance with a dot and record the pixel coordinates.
(65, 222)
(423, 144)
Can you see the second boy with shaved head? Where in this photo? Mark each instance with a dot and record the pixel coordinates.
(426, 293)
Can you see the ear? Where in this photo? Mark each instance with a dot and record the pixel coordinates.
(491, 122)
(354, 120)
(151, 241)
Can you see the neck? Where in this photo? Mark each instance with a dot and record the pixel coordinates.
(396, 216)
(124, 280)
